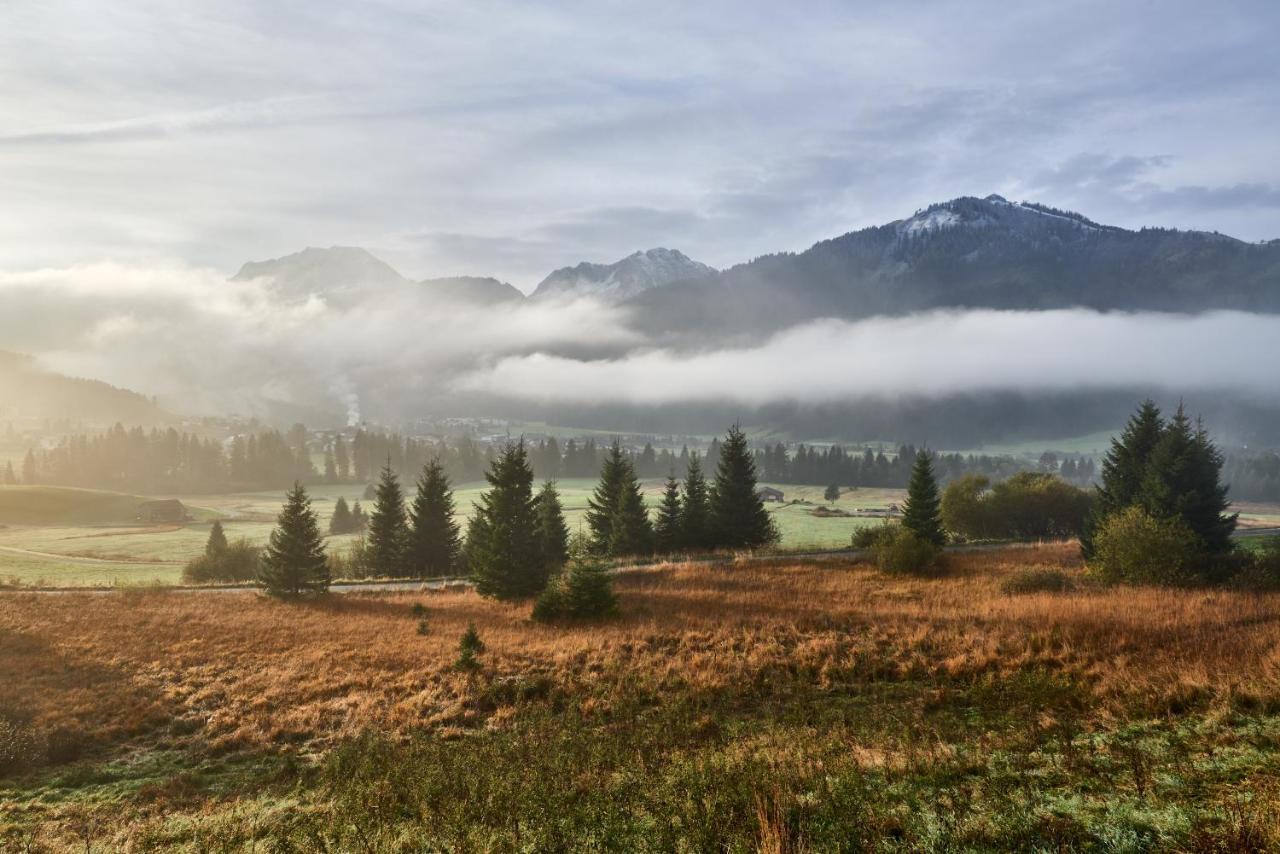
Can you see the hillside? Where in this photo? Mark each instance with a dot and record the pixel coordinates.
(29, 392)
(976, 253)
(57, 505)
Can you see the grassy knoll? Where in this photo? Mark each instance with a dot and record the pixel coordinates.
(783, 707)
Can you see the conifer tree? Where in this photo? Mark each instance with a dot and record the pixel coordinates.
(502, 536)
(668, 533)
(921, 512)
(217, 542)
(29, 476)
(630, 531)
(602, 506)
(1124, 469)
(330, 468)
(341, 522)
(435, 544)
(388, 536)
(294, 561)
(342, 458)
(359, 518)
(695, 514)
(831, 494)
(1182, 482)
(553, 533)
(738, 516)
(10, 478)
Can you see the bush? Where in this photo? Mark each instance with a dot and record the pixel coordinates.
(237, 562)
(1262, 570)
(1134, 547)
(469, 646)
(872, 535)
(582, 592)
(1037, 580)
(1027, 506)
(19, 749)
(902, 551)
(352, 563)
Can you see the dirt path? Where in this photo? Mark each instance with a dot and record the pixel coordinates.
(85, 559)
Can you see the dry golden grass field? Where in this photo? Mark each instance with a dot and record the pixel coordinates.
(818, 703)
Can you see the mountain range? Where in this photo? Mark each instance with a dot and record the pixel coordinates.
(965, 253)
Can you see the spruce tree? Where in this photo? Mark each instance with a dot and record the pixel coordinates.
(668, 533)
(341, 522)
(388, 536)
(342, 458)
(29, 474)
(738, 516)
(695, 515)
(921, 512)
(359, 518)
(330, 468)
(502, 536)
(1182, 482)
(553, 533)
(216, 545)
(602, 506)
(294, 561)
(435, 543)
(10, 478)
(630, 531)
(1124, 469)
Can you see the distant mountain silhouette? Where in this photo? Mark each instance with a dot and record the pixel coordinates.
(474, 290)
(636, 274)
(27, 391)
(975, 253)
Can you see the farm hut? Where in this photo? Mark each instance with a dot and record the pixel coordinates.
(768, 493)
(162, 510)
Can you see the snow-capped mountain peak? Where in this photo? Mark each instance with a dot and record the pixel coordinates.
(621, 280)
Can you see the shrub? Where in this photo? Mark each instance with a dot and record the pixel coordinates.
(469, 646)
(1134, 547)
(1037, 580)
(238, 561)
(1261, 572)
(582, 592)
(870, 536)
(352, 563)
(903, 551)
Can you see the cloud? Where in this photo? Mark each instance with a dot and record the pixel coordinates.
(933, 354)
(208, 345)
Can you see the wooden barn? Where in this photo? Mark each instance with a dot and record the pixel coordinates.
(768, 493)
(162, 510)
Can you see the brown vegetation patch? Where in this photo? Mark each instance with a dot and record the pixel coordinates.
(234, 670)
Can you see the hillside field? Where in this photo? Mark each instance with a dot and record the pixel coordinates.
(53, 536)
(774, 707)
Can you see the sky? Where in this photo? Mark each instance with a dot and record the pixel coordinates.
(509, 139)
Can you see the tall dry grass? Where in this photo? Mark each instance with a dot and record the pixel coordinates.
(239, 670)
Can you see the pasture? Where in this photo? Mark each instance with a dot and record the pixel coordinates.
(53, 537)
(788, 706)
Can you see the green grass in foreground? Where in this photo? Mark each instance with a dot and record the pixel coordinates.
(978, 765)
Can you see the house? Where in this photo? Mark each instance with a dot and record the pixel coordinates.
(162, 510)
(768, 493)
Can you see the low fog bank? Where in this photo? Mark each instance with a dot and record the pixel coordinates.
(206, 345)
(931, 354)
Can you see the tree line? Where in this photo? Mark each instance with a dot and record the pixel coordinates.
(517, 542)
(169, 461)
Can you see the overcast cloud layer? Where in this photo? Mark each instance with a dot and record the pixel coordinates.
(510, 138)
